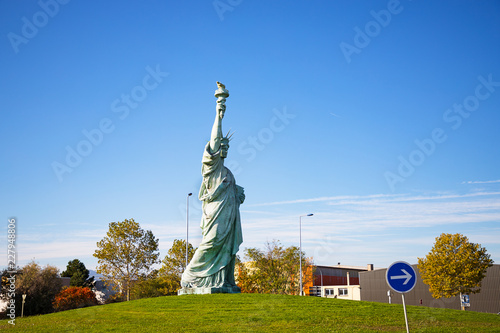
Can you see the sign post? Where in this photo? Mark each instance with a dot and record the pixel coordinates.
(464, 301)
(401, 277)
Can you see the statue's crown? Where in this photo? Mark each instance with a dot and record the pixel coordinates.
(228, 137)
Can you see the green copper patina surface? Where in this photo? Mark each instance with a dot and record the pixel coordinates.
(212, 268)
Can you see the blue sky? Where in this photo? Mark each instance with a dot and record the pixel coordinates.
(380, 117)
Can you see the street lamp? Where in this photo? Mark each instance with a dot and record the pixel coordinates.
(300, 248)
(22, 307)
(187, 227)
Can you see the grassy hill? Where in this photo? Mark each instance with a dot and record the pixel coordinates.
(253, 312)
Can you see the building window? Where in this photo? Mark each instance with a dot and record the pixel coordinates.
(329, 292)
(343, 292)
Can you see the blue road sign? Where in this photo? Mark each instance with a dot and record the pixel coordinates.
(465, 300)
(401, 277)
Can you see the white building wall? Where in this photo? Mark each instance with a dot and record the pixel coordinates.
(353, 292)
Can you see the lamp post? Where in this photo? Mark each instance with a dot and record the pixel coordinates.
(187, 227)
(22, 307)
(300, 248)
(320, 272)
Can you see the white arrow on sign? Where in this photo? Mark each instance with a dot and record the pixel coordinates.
(407, 276)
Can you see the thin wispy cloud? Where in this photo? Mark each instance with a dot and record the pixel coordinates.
(375, 199)
(56, 249)
(335, 198)
(481, 181)
(351, 227)
(377, 212)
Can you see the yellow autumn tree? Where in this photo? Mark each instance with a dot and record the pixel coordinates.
(454, 266)
(274, 270)
(173, 265)
(125, 255)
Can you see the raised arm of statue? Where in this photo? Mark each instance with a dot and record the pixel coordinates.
(216, 136)
(221, 94)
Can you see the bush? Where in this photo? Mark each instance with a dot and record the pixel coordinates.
(73, 298)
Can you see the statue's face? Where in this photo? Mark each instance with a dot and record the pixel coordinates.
(223, 150)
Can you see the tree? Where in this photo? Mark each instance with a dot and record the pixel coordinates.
(174, 264)
(78, 273)
(454, 266)
(150, 286)
(274, 270)
(126, 254)
(40, 285)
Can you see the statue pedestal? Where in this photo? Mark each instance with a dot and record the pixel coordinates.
(200, 291)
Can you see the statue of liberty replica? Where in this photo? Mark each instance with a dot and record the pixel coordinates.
(212, 268)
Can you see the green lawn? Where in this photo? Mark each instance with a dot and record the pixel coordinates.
(253, 312)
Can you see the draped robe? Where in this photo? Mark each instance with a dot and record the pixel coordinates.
(213, 262)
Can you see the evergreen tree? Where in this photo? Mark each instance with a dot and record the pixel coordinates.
(78, 273)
